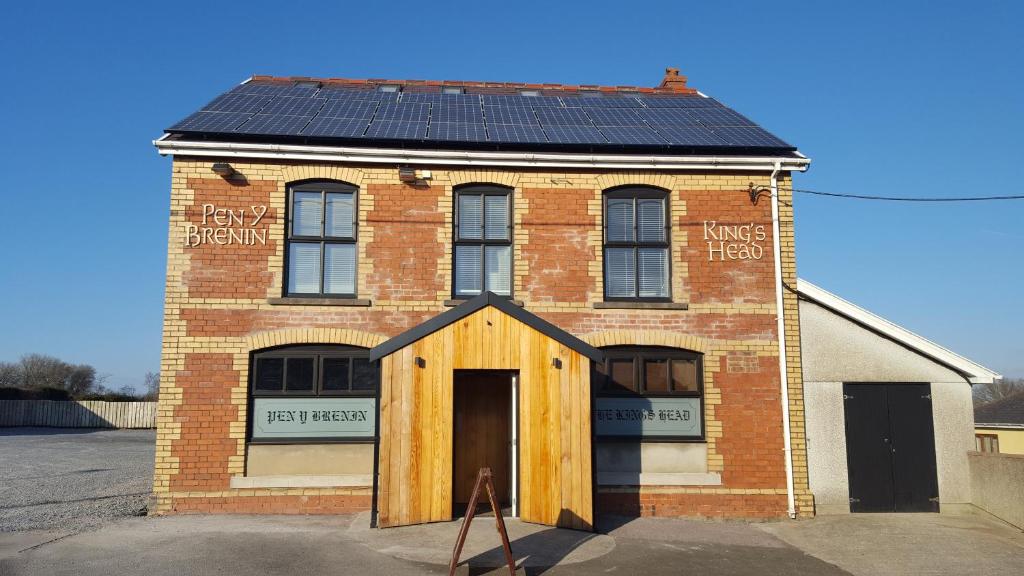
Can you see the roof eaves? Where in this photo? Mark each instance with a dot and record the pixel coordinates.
(974, 372)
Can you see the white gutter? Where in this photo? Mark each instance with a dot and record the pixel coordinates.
(166, 146)
(781, 328)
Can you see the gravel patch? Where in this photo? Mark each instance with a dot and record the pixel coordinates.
(64, 479)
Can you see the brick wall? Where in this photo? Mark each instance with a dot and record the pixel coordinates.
(223, 301)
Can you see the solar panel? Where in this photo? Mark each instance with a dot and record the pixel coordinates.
(211, 122)
(341, 93)
(690, 136)
(274, 124)
(679, 102)
(604, 102)
(438, 98)
(361, 109)
(237, 103)
(510, 115)
(574, 134)
(562, 116)
(460, 113)
(719, 117)
(614, 117)
(461, 132)
(397, 130)
(519, 100)
(668, 117)
(516, 133)
(753, 136)
(335, 127)
(632, 135)
(290, 106)
(396, 112)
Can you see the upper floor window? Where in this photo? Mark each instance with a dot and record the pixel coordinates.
(636, 248)
(321, 240)
(483, 241)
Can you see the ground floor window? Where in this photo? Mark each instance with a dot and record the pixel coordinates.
(313, 394)
(648, 392)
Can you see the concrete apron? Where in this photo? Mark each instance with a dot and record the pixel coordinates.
(533, 545)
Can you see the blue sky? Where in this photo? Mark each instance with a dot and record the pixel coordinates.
(909, 99)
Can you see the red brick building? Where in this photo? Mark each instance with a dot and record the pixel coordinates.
(376, 287)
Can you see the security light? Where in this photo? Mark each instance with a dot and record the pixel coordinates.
(223, 169)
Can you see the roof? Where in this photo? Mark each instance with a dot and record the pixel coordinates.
(975, 373)
(670, 118)
(478, 303)
(1007, 412)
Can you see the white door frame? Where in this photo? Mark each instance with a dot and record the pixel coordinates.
(514, 446)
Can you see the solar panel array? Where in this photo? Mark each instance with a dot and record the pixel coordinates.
(309, 110)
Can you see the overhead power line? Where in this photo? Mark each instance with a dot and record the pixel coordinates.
(908, 198)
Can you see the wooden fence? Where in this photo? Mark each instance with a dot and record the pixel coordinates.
(80, 414)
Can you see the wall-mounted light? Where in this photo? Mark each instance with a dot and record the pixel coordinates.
(223, 169)
(406, 173)
(420, 362)
(756, 191)
(557, 363)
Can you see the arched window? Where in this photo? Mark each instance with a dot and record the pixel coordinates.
(636, 244)
(320, 253)
(483, 241)
(651, 393)
(313, 393)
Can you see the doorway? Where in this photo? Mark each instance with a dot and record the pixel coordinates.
(890, 448)
(482, 402)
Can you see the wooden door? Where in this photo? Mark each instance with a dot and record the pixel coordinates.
(890, 448)
(482, 434)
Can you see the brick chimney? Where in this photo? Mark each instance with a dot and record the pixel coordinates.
(673, 82)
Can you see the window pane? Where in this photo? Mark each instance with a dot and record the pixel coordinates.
(622, 376)
(468, 270)
(656, 375)
(303, 268)
(470, 217)
(339, 269)
(269, 374)
(684, 376)
(619, 220)
(650, 220)
(364, 374)
(653, 272)
(498, 274)
(620, 272)
(306, 213)
(300, 375)
(496, 215)
(340, 211)
(335, 376)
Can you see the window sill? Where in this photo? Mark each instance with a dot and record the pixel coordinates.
(333, 481)
(659, 479)
(457, 302)
(319, 302)
(641, 306)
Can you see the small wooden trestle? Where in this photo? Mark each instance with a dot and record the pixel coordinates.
(483, 479)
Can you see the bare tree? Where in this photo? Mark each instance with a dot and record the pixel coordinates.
(152, 384)
(10, 375)
(42, 371)
(985, 393)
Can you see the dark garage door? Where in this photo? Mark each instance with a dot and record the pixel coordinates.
(890, 448)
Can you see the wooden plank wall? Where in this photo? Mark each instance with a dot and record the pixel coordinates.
(78, 414)
(554, 422)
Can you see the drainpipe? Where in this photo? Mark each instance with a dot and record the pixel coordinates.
(781, 328)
